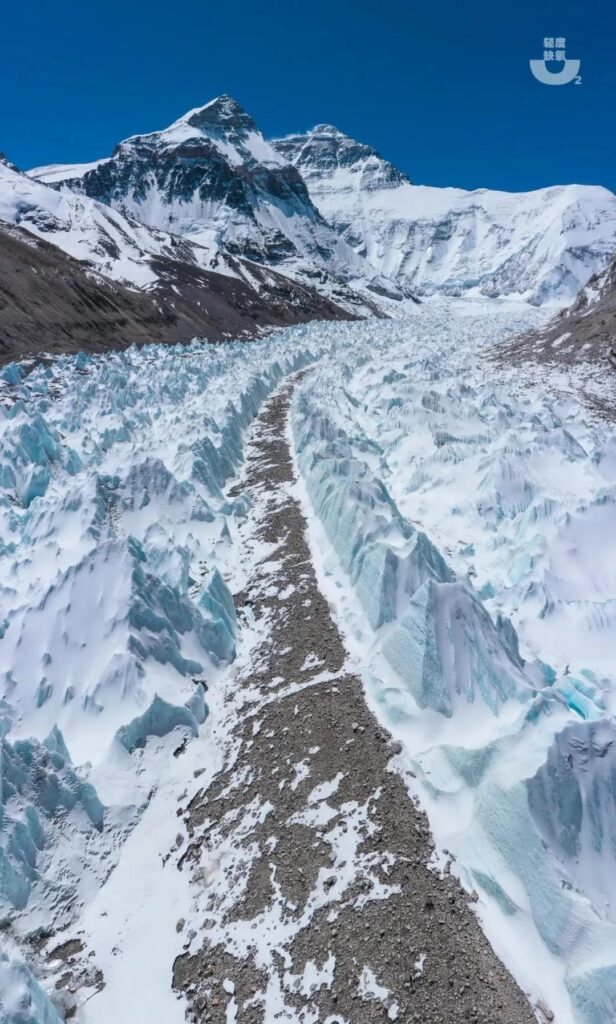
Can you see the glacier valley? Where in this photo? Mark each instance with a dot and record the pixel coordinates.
(459, 520)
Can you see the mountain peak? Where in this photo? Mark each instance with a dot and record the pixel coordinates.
(324, 150)
(222, 112)
(327, 129)
(4, 160)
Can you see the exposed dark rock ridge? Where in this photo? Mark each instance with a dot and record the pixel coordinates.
(326, 148)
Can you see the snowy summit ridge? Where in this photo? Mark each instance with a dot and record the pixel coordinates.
(213, 178)
(325, 149)
(222, 121)
(541, 246)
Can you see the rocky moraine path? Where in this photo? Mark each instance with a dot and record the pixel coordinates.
(318, 901)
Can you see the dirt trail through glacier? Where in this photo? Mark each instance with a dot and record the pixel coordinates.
(318, 902)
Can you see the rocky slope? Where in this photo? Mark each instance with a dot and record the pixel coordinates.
(212, 178)
(78, 274)
(51, 303)
(591, 319)
(542, 246)
(121, 248)
(582, 335)
(339, 893)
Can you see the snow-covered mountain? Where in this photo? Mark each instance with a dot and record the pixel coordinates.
(331, 213)
(122, 248)
(212, 178)
(542, 245)
(253, 618)
(75, 272)
(600, 291)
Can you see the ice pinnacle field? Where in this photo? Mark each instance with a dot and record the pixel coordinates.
(459, 521)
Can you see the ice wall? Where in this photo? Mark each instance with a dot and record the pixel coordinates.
(439, 638)
(42, 797)
(22, 1000)
(472, 520)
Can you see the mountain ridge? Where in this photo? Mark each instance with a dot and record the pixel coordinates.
(211, 177)
(51, 303)
(582, 336)
(332, 212)
(314, 224)
(541, 246)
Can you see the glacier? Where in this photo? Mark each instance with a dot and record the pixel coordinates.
(116, 616)
(462, 525)
(22, 1000)
(459, 518)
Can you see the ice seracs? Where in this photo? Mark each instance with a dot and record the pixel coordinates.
(490, 665)
(466, 520)
(21, 997)
(116, 616)
(573, 800)
(463, 520)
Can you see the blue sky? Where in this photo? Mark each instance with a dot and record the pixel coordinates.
(443, 89)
